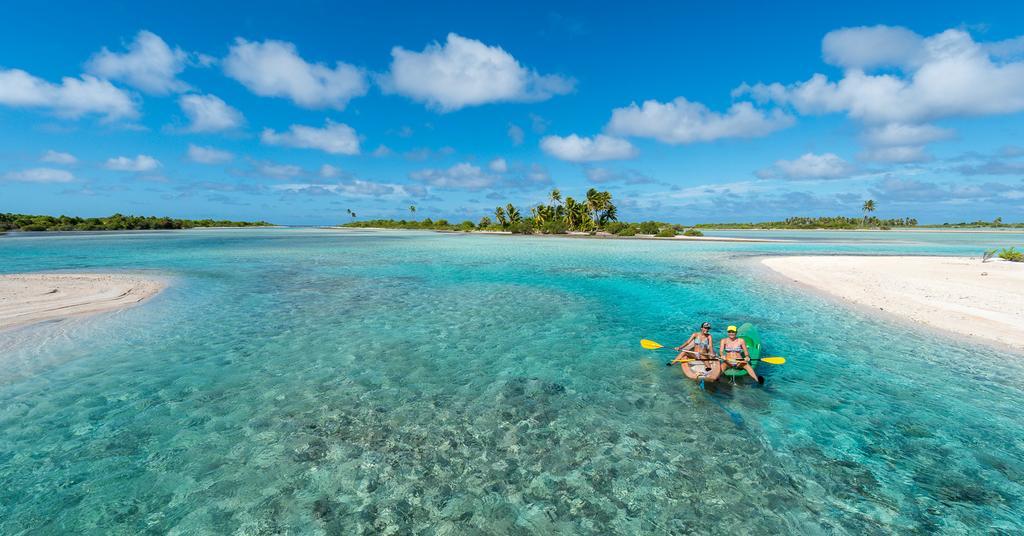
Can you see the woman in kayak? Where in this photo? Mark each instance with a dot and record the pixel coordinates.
(699, 347)
(735, 354)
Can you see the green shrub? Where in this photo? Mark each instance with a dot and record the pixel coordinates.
(1011, 255)
(649, 227)
(521, 227)
(988, 254)
(667, 232)
(553, 227)
(466, 226)
(615, 226)
(628, 231)
(692, 232)
(485, 222)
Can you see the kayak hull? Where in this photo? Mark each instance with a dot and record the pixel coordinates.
(748, 333)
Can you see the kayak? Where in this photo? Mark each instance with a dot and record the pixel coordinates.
(748, 333)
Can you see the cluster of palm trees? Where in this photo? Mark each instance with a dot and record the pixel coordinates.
(588, 215)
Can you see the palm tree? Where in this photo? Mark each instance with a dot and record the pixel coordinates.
(499, 214)
(513, 214)
(556, 197)
(412, 209)
(868, 208)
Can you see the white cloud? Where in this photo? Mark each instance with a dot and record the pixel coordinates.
(334, 138)
(149, 64)
(382, 151)
(809, 166)
(357, 188)
(72, 98)
(40, 175)
(466, 72)
(55, 157)
(208, 113)
(463, 176)
(208, 155)
(599, 175)
(896, 154)
(498, 165)
(278, 171)
(683, 121)
(868, 47)
(328, 171)
(275, 69)
(574, 148)
(902, 134)
(945, 75)
(516, 134)
(139, 163)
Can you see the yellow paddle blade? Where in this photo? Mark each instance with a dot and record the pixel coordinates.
(773, 360)
(650, 345)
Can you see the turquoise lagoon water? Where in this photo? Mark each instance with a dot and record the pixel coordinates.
(315, 381)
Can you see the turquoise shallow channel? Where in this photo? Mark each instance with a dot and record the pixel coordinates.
(305, 381)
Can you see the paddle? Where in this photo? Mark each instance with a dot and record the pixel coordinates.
(651, 345)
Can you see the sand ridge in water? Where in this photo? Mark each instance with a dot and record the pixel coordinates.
(30, 298)
(958, 294)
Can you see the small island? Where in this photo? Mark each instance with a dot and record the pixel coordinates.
(116, 222)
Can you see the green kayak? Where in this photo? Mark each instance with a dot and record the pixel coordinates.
(748, 333)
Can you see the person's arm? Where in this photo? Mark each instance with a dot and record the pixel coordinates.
(746, 351)
(685, 344)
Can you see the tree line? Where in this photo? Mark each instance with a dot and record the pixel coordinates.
(116, 222)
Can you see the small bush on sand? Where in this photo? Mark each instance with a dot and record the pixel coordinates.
(692, 232)
(628, 231)
(649, 227)
(553, 227)
(615, 226)
(988, 255)
(1011, 255)
(667, 232)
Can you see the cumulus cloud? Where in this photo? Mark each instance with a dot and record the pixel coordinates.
(208, 113)
(72, 98)
(993, 167)
(140, 163)
(462, 176)
(382, 151)
(927, 78)
(682, 121)
(40, 175)
(498, 165)
(275, 69)
(809, 166)
(55, 157)
(466, 72)
(574, 148)
(334, 138)
(149, 65)
(208, 155)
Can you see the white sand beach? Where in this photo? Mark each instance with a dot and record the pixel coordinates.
(30, 298)
(957, 294)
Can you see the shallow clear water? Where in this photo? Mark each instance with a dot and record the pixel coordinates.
(308, 381)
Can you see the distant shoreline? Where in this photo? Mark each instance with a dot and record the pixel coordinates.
(597, 236)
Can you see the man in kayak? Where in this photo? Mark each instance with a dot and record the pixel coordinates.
(735, 354)
(697, 356)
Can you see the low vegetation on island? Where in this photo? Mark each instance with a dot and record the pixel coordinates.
(117, 222)
(595, 213)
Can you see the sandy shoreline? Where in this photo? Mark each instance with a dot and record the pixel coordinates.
(30, 298)
(956, 294)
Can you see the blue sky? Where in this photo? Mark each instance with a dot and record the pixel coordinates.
(686, 113)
